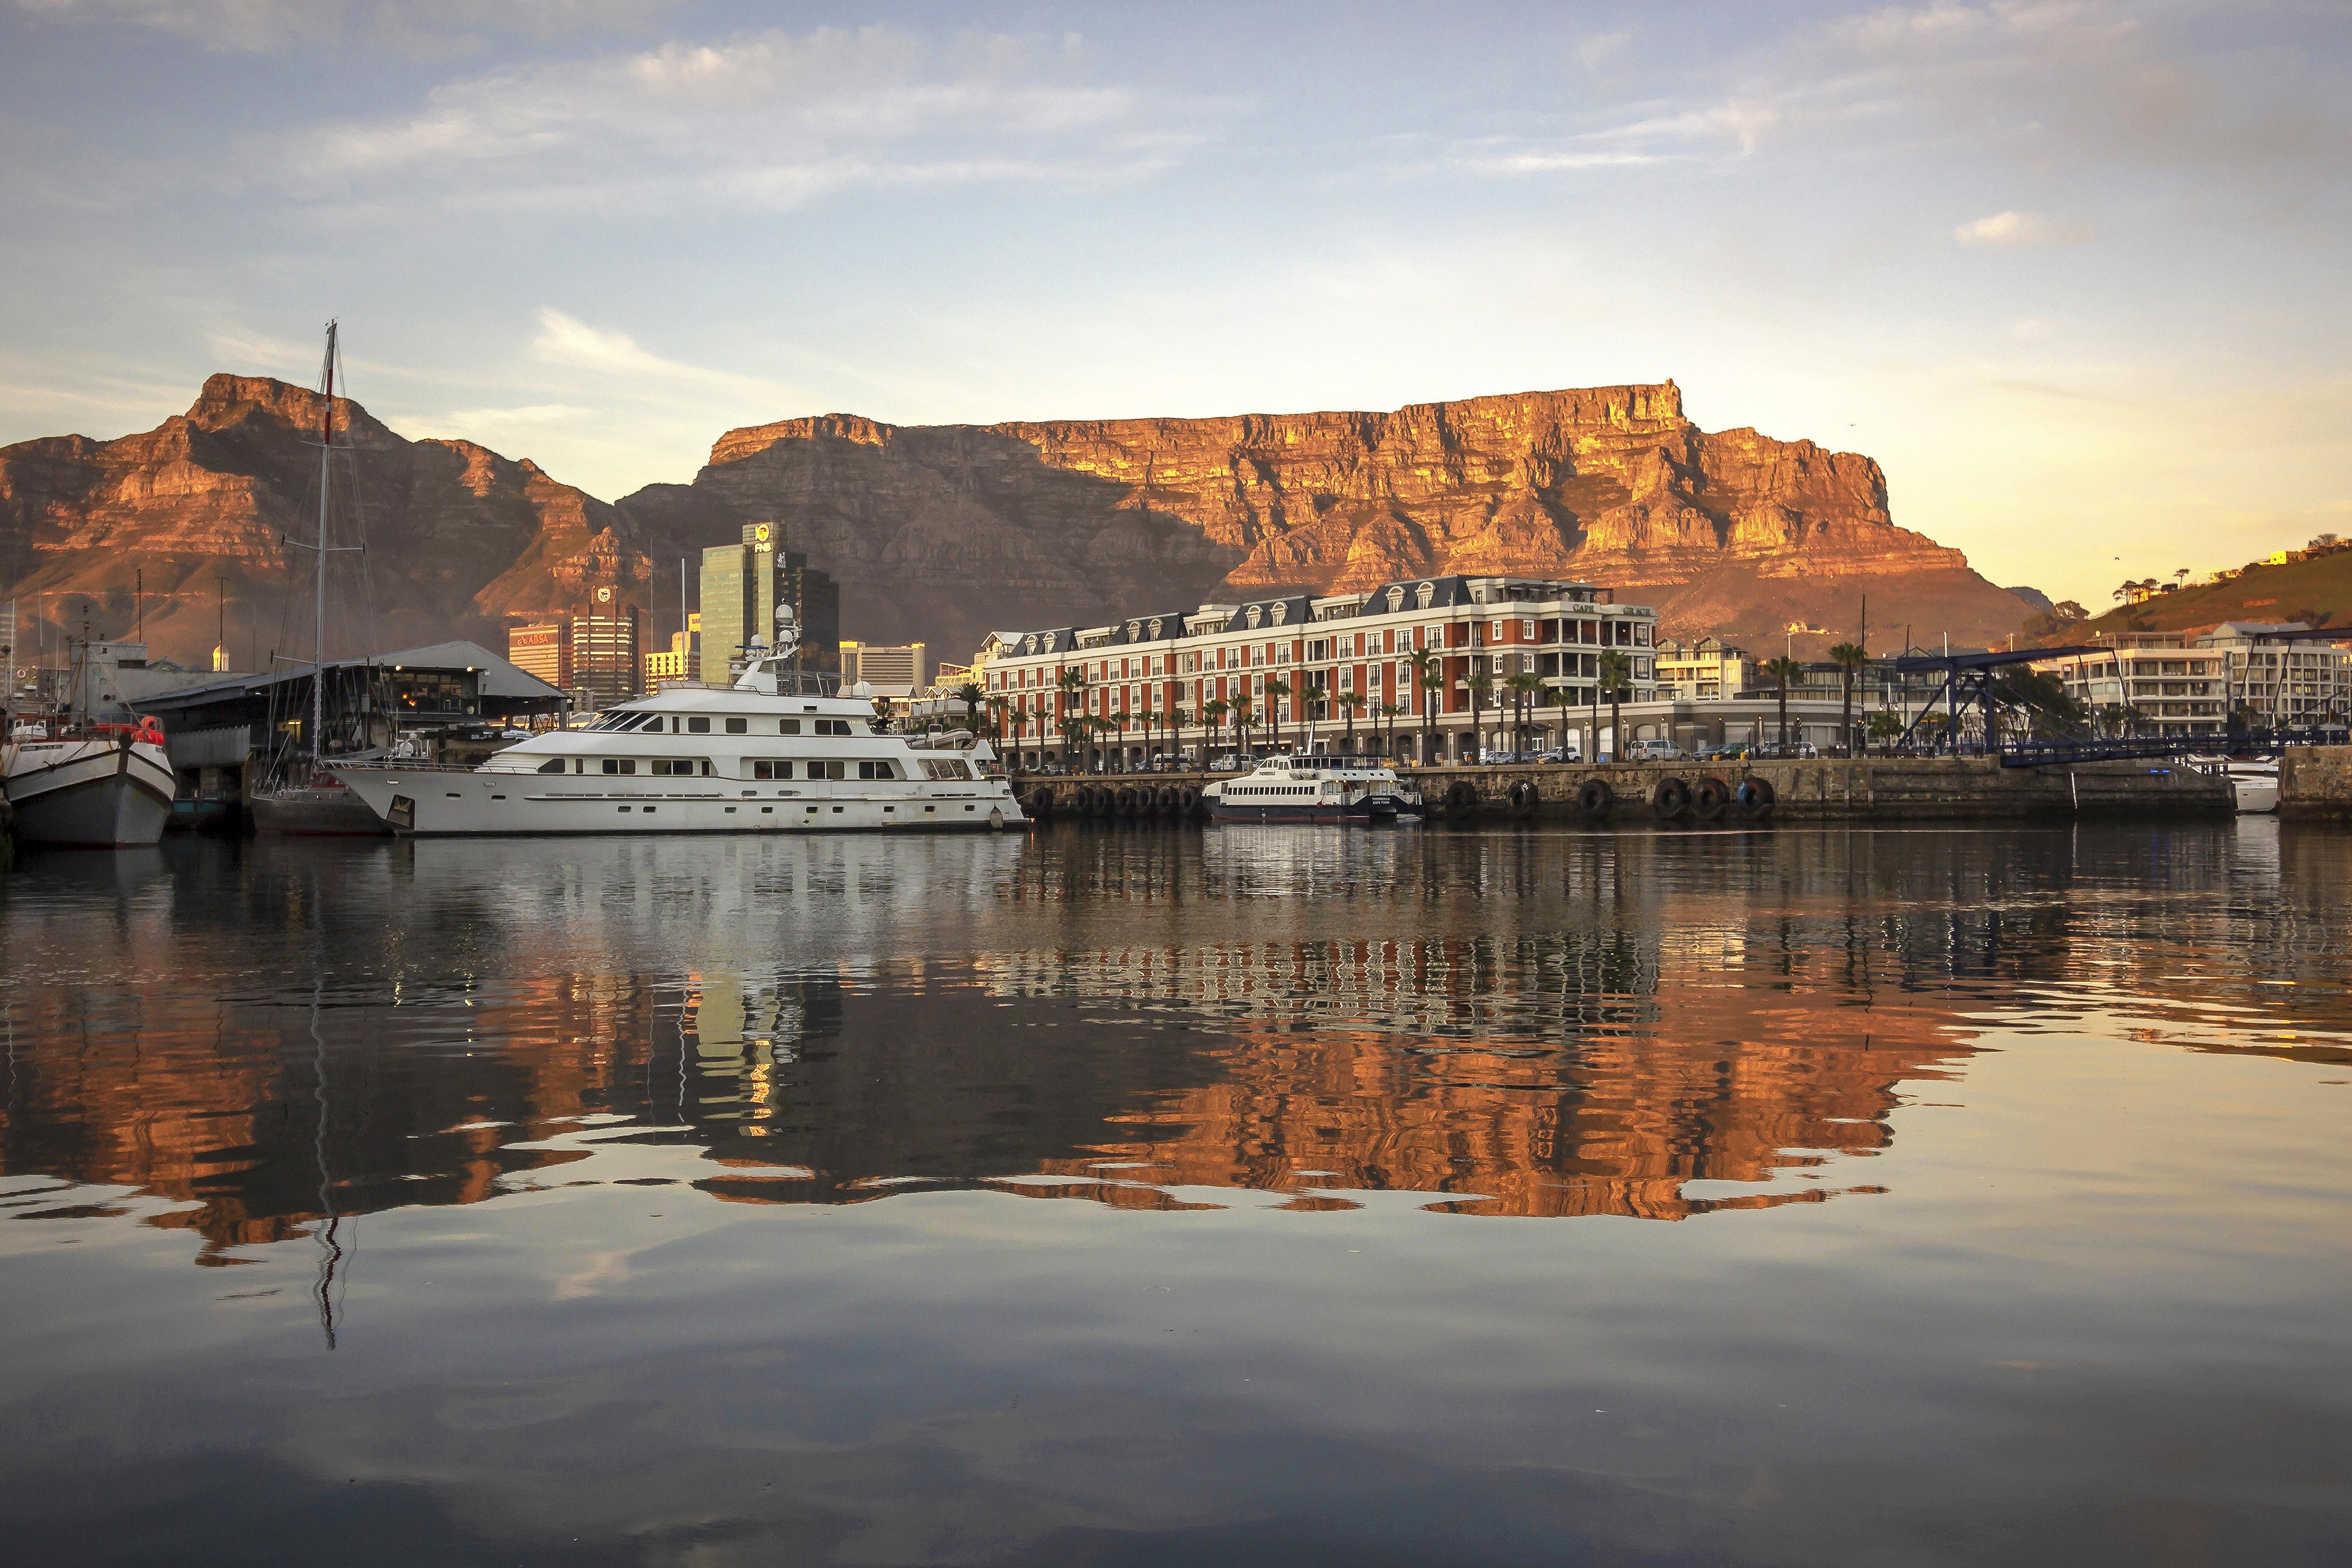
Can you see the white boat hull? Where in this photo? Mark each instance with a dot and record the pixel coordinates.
(432, 804)
(2257, 794)
(94, 793)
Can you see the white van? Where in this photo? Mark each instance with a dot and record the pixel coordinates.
(1655, 752)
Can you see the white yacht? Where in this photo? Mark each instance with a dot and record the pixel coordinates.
(1313, 789)
(780, 751)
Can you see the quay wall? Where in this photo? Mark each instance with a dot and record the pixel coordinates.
(2316, 782)
(1832, 789)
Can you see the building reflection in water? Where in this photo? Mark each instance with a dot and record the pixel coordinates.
(1532, 1025)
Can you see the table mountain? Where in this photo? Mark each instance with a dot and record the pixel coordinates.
(948, 531)
(944, 532)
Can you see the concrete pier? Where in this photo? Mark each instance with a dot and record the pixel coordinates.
(2316, 782)
(1889, 789)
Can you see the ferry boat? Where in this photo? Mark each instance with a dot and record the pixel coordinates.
(101, 786)
(781, 751)
(1314, 789)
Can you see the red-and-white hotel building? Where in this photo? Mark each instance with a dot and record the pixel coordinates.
(1146, 667)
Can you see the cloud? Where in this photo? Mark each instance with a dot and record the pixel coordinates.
(572, 345)
(771, 121)
(419, 26)
(1593, 53)
(2005, 229)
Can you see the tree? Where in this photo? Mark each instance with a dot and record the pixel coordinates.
(2067, 612)
(1616, 669)
(1558, 698)
(1783, 670)
(1850, 658)
(1348, 702)
(997, 703)
(1426, 666)
(1482, 686)
(1885, 726)
(1390, 711)
(1525, 686)
(971, 697)
(1276, 689)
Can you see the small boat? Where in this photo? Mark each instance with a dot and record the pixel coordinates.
(2255, 784)
(101, 786)
(1314, 789)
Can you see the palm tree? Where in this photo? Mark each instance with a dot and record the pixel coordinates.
(1783, 670)
(1558, 698)
(1425, 666)
(1390, 711)
(1241, 712)
(1524, 685)
(1482, 686)
(1212, 719)
(1348, 702)
(971, 697)
(1616, 669)
(997, 703)
(1850, 657)
(1276, 689)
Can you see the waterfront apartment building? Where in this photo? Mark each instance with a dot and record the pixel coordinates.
(1703, 671)
(742, 584)
(893, 671)
(1428, 661)
(2167, 684)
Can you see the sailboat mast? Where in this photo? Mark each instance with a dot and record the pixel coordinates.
(319, 654)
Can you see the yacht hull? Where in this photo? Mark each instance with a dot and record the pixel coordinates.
(313, 813)
(98, 795)
(431, 805)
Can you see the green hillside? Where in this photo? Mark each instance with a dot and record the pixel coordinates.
(2318, 592)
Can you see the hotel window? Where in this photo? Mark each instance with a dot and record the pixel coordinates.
(1347, 678)
(1527, 631)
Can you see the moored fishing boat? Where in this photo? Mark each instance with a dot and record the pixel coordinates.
(88, 785)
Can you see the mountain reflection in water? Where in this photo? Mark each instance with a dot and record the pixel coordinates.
(1532, 1025)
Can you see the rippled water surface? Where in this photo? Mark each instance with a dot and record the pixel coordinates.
(1141, 1196)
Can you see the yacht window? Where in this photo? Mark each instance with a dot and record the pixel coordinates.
(641, 721)
(620, 765)
(698, 726)
(738, 726)
(788, 726)
(877, 770)
(833, 726)
(946, 768)
(554, 765)
(767, 769)
(678, 767)
(672, 725)
(828, 770)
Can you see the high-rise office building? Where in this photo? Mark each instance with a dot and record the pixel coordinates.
(743, 583)
(892, 670)
(608, 643)
(545, 649)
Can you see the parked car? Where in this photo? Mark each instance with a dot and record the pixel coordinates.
(1655, 752)
(1228, 764)
(1564, 754)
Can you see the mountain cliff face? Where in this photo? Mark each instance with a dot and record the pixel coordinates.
(460, 539)
(952, 530)
(945, 532)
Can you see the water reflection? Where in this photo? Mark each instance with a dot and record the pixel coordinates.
(271, 1038)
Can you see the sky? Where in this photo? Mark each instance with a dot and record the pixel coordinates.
(2073, 273)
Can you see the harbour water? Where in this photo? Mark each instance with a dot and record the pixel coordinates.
(1138, 1195)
